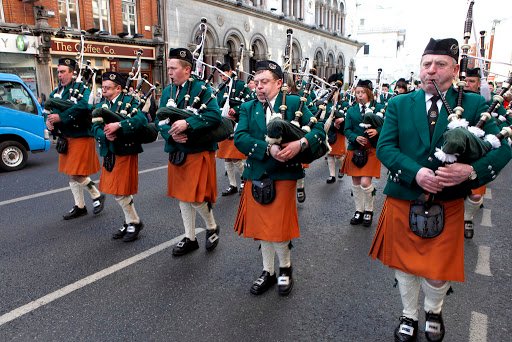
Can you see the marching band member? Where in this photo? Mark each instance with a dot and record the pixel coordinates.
(119, 146)
(269, 168)
(192, 179)
(358, 137)
(385, 94)
(81, 159)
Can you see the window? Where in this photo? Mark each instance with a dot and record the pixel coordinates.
(129, 16)
(14, 96)
(366, 49)
(69, 17)
(2, 18)
(361, 22)
(100, 11)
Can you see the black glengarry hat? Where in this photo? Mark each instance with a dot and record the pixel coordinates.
(225, 67)
(473, 72)
(335, 77)
(69, 62)
(270, 66)
(447, 46)
(114, 77)
(365, 84)
(181, 53)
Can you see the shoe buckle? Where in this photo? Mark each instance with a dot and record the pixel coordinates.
(259, 281)
(96, 203)
(180, 244)
(214, 237)
(131, 228)
(433, 327)
(283, 281)
(357, 216)
(366, 217)
(406, 329)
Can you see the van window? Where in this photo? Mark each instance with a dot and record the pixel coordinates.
(14, 96)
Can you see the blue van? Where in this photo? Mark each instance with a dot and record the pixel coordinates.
(22, 123)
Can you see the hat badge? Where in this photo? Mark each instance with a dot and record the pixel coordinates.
(454, 49)
(67, 61)
(183, 54)
(272, 66)
(112, 77)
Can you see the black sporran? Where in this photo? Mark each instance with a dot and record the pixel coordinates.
(62, 145)
(426, 219)
(109, 161)
(360, 157)
(263, 191)
(177, 157)
(332, 136)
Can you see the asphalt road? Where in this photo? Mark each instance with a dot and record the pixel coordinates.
(68, 281)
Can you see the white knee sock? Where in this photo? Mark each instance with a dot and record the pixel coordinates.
(358, 194)
(239, 165)
(268, 253)
(283, 253)
(434, 296)
(230, 169)
(471, 207)
(409, 286)
(78, 193)
(188, 215)
(332, 166)
(130, 214)
(206, 213)
(368, 197)
(89, 185)
(300, 183)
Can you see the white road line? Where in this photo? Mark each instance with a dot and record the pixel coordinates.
(22, 310)
(478, 327)
(486, 218)
(483, 264)
(44, 193)
(488, 193)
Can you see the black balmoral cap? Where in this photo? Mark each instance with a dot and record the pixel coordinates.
(225, 67)
(69, 62)
(448, 47)
(335, 77)
(181, 53)
(114, 77)
(473, 72)
(270, 66)
(365, 84)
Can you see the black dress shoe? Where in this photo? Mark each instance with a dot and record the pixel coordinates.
(98, 204)
(185, 246)
(75, 212)
(263, 283)
(242, 185)
(285, 281)
(407, 330)
(468, 229)
(230, 191)
(120, 233)
(434, 327)
(340, 174)
(367, 218)
(301, 195)
(357, 219)
(212, 238)
(331, 180)
(132, 231)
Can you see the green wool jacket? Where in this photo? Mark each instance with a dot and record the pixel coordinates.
(76, 120)
(239, 91)
(210, 117)
(126, 142)
(404, 145)
(250, 140)
(353, 118)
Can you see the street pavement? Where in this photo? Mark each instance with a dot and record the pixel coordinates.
(69, 281)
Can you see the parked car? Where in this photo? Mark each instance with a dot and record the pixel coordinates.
(22, 123)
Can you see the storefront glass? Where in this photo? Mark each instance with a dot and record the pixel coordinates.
(23, 65)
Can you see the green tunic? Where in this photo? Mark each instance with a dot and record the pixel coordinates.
(353, 118)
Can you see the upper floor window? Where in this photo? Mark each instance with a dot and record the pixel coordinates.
(129, 16)
(100, 11)
(2, 18)
(366, 49)
(69, 17)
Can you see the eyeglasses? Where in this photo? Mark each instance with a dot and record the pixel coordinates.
(263, 81)
(107, 87)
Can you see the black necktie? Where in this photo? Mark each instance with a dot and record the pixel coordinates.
(432, 114)
(363, 109)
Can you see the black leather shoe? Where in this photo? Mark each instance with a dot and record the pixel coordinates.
(434, 327)
(407, 330)
(98, 204)
(301, 195)
(230, 191)
(132, 231)
(242, 185)
(340, 174)
(285, 281)
(357, 219)
(75, 212)
(367, 218)
(331, 180)
(120, 233)
(212, 239)
(185, 246)
(468, 229)
(263, 283)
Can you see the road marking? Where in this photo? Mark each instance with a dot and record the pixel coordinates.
(488, 193)
(49, 192)
(486, 218)
(478, 327)
(483, 265)
(22, 310)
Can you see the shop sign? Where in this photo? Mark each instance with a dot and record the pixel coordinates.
(19, 43)
(100, 49)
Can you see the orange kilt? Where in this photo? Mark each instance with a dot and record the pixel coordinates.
(124, 178)
(195, 180)
(81, 158)
(228, 150)
(339, 147)
(479, 191)
(371, 169)
(276, 222)
(439, 258)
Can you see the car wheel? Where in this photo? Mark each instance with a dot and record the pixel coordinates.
(13, 156)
